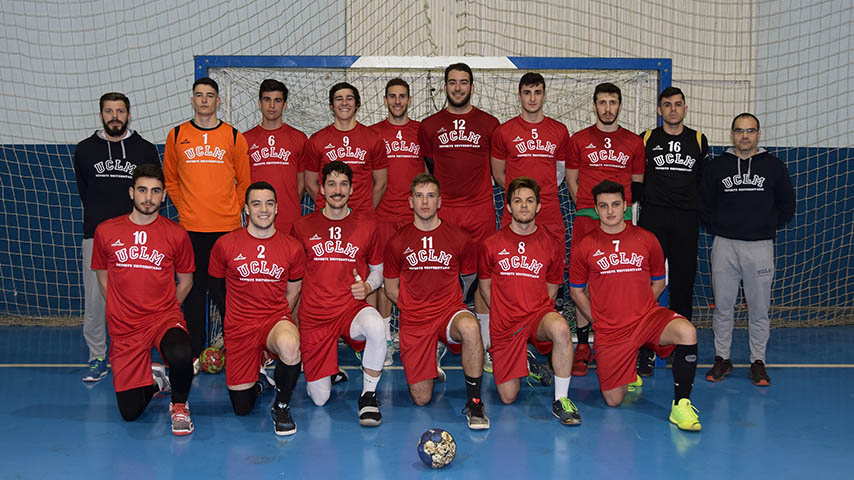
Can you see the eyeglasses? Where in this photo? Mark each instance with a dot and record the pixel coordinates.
(742, 131)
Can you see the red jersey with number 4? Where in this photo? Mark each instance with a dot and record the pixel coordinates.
(404, 163)
(619, 269)
(141, 262)
(599, 155)
(428, 265)
(460, 147)
(256, 272)
(277, 157)
(533, 150)
(333, 248)
(520, 266)
(361, 148)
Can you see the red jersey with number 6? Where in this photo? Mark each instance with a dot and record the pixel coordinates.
(404, 163)
(599, 155)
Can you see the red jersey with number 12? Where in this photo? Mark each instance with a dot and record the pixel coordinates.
(404, 163)
(599, 155)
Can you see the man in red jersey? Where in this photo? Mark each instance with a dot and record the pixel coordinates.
(341, 249)
(277, 153)
(423, 263)
(456, 143)
(136, 258)
(624, 269)
(602, 151)
(351, 142)
(520, 268)
(263, 270)
(400, 134)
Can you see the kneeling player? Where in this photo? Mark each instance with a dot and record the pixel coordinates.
(520, 268)
(624, 267)
(423, 261)
(340, 245)
(136, 258)
(263, 270)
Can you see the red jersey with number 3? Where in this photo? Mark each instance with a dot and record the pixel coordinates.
(533, 150)
(520, 266)
(333, 249)
(256, 272)
(428, 265)
(460, 147)
(404, 163)
(619, 269)
(141, 262)
(277, 157)
(599, 155)
(361, 148)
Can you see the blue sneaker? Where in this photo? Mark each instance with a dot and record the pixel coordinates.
(97, 370)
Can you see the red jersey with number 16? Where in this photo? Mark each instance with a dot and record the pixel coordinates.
(599, 155)
(404, 163)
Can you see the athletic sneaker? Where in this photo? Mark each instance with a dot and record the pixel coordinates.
(537, 371)
(97, 370)
(719, 370)
(487, 362)
(389, 354)
(581, 363)
(158, 372)
(566, 411)
(182, 424)
(197, 366)
(339, 377)
(759, 375)
(636, 385)
(267, 377)
(369, 410)
(265, 383)
(475, 415)
(646, 362)
(684, 415)
(283, 424)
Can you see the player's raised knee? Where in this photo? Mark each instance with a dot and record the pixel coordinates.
(557, 328)
(468, 327)
(686, 334)
(287, 347)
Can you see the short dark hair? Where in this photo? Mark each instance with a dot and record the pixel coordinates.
(148, 170)
(397, 81)
(520, 183)
(259, 186)
(744, 115)
(461, 67)
(342, 86)
(206, 81)
(336, 166)
(271, 85)
(609, 186)
(669, 92)
(114, 97)
(532, 79)
(608, 87)
(424, 179)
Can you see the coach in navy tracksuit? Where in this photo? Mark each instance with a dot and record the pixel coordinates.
(745, 196)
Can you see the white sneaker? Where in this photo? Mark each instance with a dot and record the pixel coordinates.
(197, 366)
(158, 372)
(487, 362)
(389, 354)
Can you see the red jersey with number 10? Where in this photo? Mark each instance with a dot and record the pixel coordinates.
(599, 155)
(404, 163)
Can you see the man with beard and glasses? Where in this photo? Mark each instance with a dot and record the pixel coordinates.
(103, 166)
(602, 151)
(455, 143)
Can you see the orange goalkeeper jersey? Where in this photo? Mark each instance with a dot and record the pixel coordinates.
(207, 174)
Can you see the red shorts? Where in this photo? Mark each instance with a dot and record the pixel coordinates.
(616, 362)
(246, 351)
(319, 343)
(478, 220)
(385, 230)
(510, 355)
(418, 343)
(130, 356)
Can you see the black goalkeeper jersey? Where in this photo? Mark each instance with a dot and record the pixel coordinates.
(674, 166)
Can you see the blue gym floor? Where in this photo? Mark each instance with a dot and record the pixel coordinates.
(55, 426)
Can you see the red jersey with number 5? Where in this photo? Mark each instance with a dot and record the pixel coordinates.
(404, 163)
(599, 155)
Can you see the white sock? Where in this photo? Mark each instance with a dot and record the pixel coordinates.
(369, 383)
(561, 387)
(483, 319)
(387, 321)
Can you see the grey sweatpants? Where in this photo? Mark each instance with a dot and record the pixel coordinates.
(750, 262)
(94, 307)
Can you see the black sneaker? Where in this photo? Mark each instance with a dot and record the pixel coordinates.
(475, 415)
(537, 371)
(719, 370)
(566, 411)
(369, 410)
(646, 362)
(283, 424)
(759, 375)
(339, 377)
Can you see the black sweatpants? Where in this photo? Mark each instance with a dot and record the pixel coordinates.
(194, 305)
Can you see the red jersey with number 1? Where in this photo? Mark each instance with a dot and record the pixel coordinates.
(404, 163)
(599, 155)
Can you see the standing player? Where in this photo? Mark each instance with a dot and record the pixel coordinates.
(103, 166)
(400, 134)
(263, 271)
(136, 258)
(456, 144)
(520, 268)
(277, 153)
(341, 248)
(675, 158)
(602, 151)
(423, 263)
(351, 142)
(624, 268)
(207, 171)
